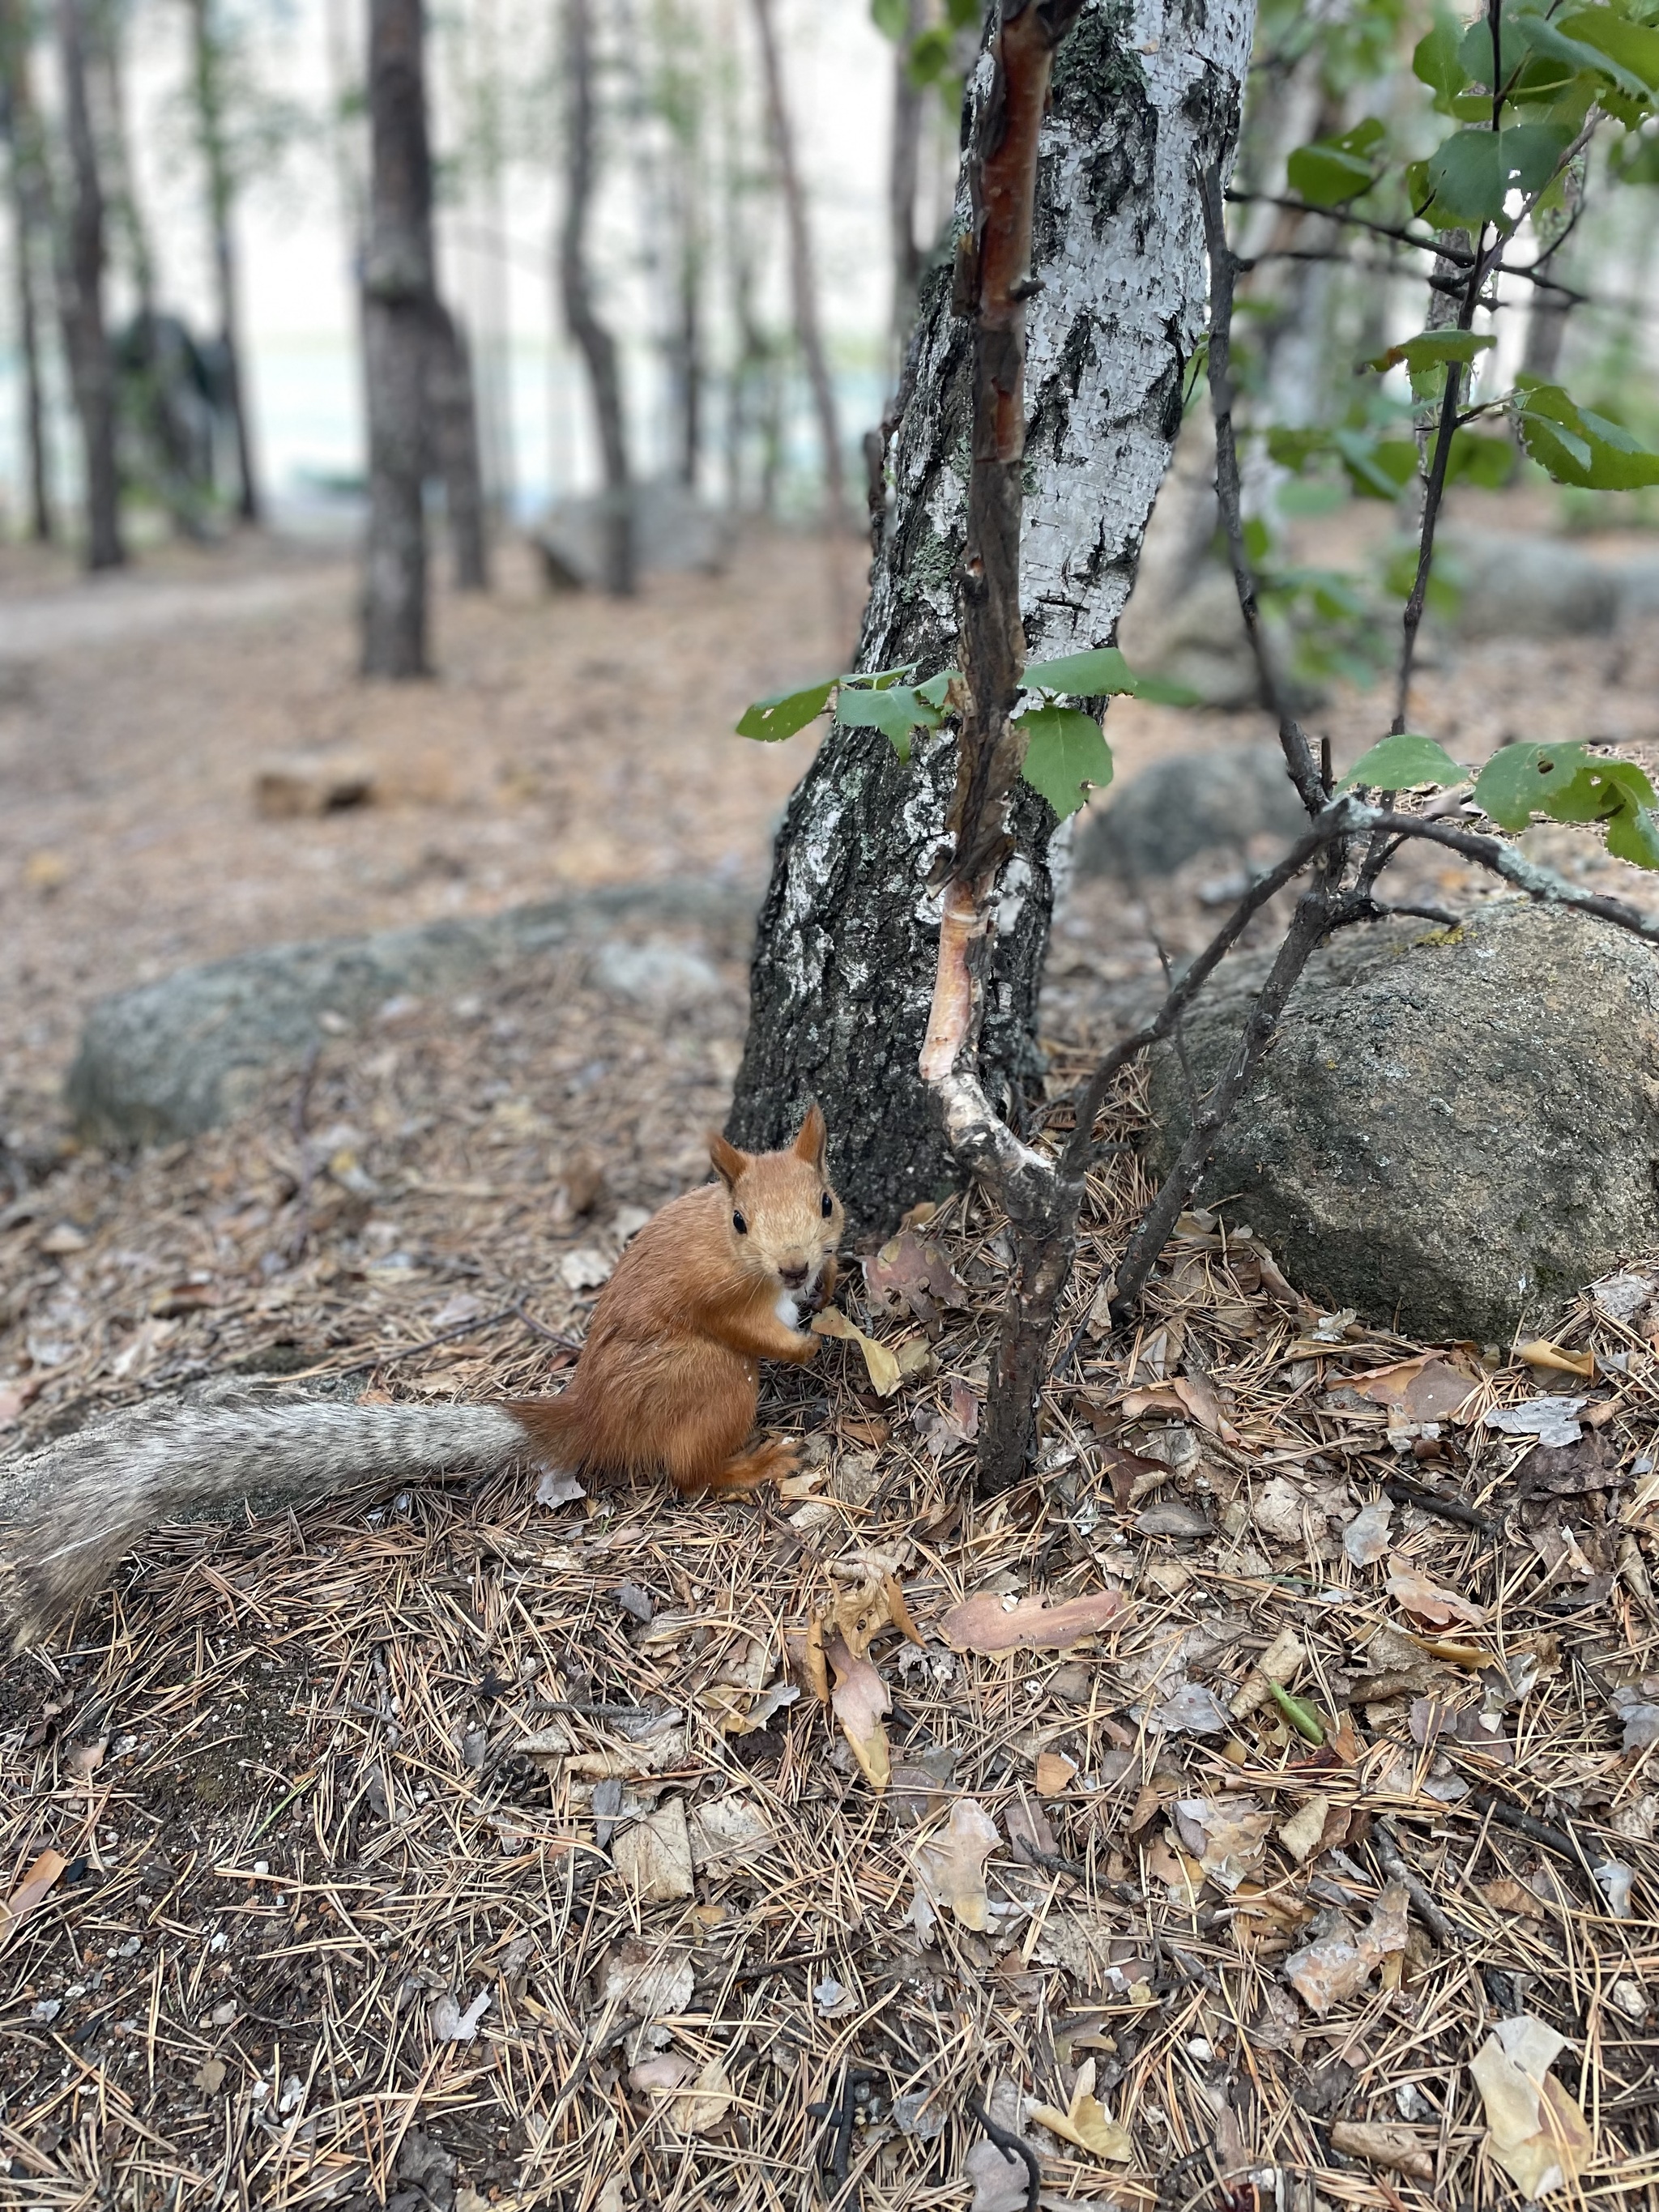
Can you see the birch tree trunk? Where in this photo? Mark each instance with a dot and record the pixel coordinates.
(81, 304)
(848, 933)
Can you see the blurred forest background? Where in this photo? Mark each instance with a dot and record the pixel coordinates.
(610, 304)
(756, 186)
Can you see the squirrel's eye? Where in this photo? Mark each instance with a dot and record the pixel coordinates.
(739, 1224)
(826, 1206)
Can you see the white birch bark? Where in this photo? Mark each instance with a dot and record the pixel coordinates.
(1143, 96)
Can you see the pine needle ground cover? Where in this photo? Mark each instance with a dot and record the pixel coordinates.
(1255, 1808)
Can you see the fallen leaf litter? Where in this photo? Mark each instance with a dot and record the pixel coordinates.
(600, 1844)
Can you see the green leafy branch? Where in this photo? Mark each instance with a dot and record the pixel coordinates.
(1563, 783)
(1066, 753)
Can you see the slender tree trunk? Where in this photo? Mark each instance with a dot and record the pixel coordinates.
(208, 57)
(903, 170)
(688, 346)
(597, 346)
(108, 88)
(454, 419)
(31, 218)
(34, 412)
(398, 293)
(848, 934)
(81, 301)
(803, 280)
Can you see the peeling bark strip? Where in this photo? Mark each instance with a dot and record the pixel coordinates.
(993, 282)
(1143, 96)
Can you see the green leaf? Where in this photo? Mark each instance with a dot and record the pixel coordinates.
(1401, 763)
(1633, 46)
(1487, 462)
(1294, 449)
(1541, 36)
(1433, 348)
(1330, 172)
(891, 18)
(1532, 152)
(1377, 468)
(1065, 751)
(1164, 691)
(934, 689)
(1097, 675)
(1521, 780)
(1472, 172)
(1601, 790)
(930, 55)
(1634, 159)
(1576, 445)
(895, 712)
(1466, 176)
(1436, 63)
(1634, 835)
(1103, 673)
(785, 712)
(1298, 1712)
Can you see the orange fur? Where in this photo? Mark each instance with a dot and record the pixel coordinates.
(669, 1377)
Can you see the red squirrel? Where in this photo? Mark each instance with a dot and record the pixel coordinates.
(667, 1381)
(669, 1376)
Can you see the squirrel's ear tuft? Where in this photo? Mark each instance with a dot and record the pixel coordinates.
(812, 1139)
(729, 1162)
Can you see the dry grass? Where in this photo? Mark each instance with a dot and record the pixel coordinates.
(391, 1752)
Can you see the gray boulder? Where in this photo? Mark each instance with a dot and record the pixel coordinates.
(672, 530)
(1452, 1131)
(178, 1056)
(1530, 587)
(1191, 803)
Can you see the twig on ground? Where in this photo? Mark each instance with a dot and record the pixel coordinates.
(1012, 2147)
(1407, 1493)
(1392, 1862)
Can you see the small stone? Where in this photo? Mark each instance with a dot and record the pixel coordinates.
(298, 784)
(659, 973)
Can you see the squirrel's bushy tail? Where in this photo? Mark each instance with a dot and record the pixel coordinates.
(68, 1513)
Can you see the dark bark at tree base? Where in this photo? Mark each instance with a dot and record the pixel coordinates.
(454, 425)
(394, 581)
(848, 933)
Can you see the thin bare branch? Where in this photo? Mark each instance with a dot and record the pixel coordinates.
(1298, 753)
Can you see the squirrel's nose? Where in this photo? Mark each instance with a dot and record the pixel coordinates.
(792, 1278)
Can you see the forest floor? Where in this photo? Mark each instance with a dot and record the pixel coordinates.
(457, 1849)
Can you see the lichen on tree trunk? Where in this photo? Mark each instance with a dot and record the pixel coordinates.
(844, 972)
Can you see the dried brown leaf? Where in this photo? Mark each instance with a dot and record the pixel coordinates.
(950, 1869)
(1385, 2143)
(1426, 1600)
(30, 1893)
(1427, 1388)
(879, 1363)
(987, 1624)
(857, 1701)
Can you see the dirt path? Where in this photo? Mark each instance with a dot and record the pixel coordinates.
(565, 742)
